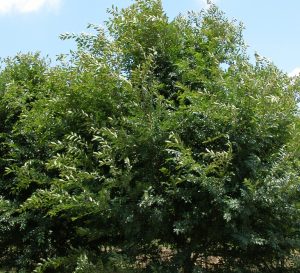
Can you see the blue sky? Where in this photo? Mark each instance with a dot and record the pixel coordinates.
(272, 26)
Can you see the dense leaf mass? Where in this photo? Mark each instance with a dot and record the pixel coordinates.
(155, 146)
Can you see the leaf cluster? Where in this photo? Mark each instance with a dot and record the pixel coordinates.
(155, 146)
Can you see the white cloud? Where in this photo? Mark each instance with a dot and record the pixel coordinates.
(295, 72)
(27, 6)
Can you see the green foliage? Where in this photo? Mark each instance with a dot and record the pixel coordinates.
(156, 146)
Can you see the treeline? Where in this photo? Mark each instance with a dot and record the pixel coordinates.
(155, 146)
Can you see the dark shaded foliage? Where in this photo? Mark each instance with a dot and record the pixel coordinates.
(156, 146)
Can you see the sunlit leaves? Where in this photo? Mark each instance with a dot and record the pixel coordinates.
(152, 136)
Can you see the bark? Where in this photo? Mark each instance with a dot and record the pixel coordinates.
(188, 263)
(188, 266)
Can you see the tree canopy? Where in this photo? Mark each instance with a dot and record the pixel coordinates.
(155, 146)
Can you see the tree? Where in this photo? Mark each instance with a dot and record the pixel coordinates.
(154, 137)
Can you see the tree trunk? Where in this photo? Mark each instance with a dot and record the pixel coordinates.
(188, 263)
